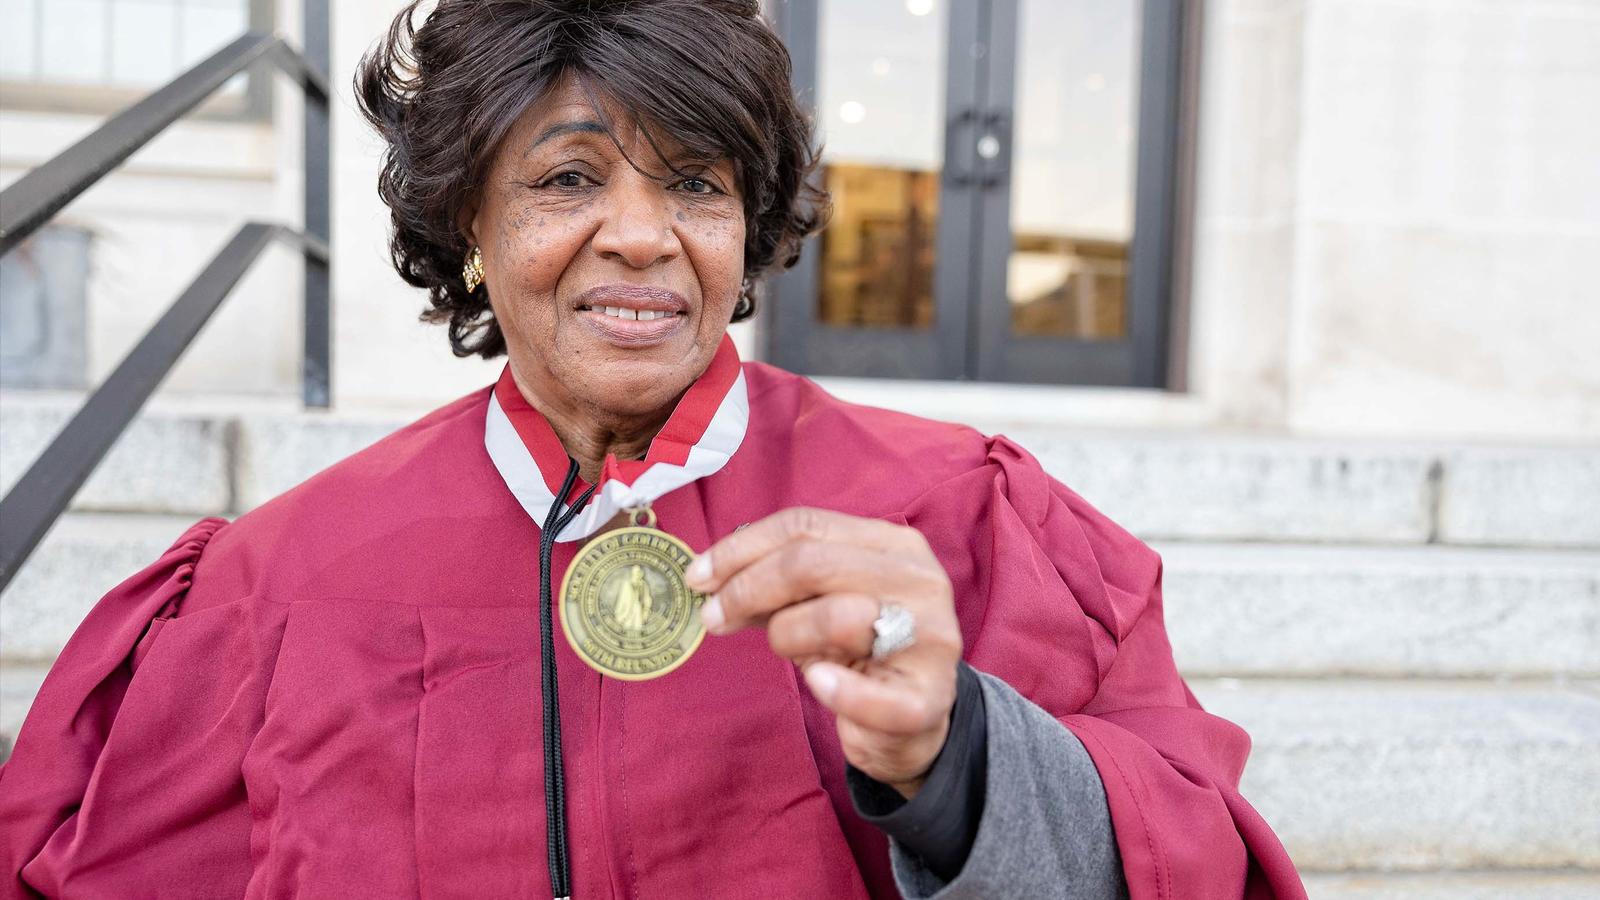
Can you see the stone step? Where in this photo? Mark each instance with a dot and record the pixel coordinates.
(83, 556)
(278, 451)
(195, 460)
(1422, 776)
(1174, 485)
(1250, 610)
(1210, 486)
(19, 684)
(1367, 781)
(1200, 486)
(165, 462)
(1257, 609)
(1523, 885)
(1509, 496)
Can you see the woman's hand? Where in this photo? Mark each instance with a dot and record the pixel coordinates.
(816, 580)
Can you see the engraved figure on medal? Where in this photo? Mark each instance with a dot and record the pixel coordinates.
(633, 603)
(625, 608)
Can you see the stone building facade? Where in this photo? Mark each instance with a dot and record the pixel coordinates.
(1373, 471)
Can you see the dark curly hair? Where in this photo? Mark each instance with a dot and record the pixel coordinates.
(709, 73)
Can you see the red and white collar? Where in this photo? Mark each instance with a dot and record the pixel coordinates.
(698, 439)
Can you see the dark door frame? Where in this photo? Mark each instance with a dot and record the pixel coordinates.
(794, 338)
(971, 335)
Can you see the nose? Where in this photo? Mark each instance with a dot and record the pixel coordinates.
(637, 225)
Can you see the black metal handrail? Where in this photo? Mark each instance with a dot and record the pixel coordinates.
(40, 194)
(44, 491)
(42, 494)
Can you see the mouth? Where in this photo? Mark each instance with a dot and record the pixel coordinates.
(632, 315)
(623, 312)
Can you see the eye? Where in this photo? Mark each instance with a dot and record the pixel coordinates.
(566, 180)
(697, 186)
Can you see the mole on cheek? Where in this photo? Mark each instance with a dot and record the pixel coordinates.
(682, 216)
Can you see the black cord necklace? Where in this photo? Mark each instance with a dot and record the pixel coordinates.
(555, 782)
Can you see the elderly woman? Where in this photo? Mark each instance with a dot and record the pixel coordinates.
(928, 668)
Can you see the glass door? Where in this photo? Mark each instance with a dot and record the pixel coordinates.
(883, 290)
(879, 104)
(1005, 184)
(1075, 251)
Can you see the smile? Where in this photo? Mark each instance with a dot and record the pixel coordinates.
(632, 316)
(622, 312)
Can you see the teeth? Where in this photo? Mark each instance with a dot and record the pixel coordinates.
(642, 315)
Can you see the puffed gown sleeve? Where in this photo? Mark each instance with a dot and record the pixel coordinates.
(1065, 607)
(91, 797)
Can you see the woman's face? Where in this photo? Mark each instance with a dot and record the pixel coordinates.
(612, 286)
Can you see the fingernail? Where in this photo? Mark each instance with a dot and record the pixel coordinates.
(823, 680)
(711, 614)
(699, 570)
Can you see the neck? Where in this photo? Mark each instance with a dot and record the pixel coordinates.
(589, 434)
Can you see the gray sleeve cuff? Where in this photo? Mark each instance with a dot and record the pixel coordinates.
(1045, 829)
(939, 824)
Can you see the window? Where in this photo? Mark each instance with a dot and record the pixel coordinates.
(100, 55)
(1006, 177)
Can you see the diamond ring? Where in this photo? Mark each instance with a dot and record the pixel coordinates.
(893, 630)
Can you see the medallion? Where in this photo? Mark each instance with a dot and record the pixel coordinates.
(624, 605)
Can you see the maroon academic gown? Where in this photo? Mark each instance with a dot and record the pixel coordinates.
(337, 695)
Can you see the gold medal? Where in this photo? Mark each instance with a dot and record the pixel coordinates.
(624, 605)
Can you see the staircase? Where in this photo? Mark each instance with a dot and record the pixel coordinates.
(1411, 634)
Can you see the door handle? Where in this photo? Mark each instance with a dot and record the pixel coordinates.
(959, 154)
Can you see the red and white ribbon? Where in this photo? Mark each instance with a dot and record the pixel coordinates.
(698, 439)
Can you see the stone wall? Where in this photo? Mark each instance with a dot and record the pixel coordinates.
(1397, 206)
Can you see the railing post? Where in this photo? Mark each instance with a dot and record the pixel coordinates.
(316, 367)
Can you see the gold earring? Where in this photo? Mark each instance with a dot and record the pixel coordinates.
(472, 272)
